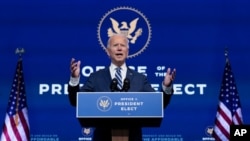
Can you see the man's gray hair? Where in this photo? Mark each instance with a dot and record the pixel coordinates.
(122, 35)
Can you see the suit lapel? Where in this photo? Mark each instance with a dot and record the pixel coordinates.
(106, 75)
(129, 74)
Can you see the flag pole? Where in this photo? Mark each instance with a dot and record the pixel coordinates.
(19, 52)
(226, 54)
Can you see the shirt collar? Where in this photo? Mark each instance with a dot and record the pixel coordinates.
(113, 66)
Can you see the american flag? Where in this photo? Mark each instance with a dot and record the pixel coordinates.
(16, 124)
(229, 107)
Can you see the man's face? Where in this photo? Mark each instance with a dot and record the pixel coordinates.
(118, 50)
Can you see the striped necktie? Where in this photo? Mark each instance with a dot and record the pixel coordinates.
(118, 76)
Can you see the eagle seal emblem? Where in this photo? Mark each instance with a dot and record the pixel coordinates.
(130, 22)
(104, 103)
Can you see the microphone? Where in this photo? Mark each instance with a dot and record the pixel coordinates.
(113, 85)
(126, 85)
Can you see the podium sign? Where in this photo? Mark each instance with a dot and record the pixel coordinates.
(119, 104)
(124, 107)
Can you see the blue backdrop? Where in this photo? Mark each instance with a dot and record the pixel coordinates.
(190, 36)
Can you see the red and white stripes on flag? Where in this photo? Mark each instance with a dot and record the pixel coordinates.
(229, 107)
(16, 124)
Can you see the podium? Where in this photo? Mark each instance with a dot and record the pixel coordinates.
(119, 110)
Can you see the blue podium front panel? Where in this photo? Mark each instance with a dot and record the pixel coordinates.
(119, 105)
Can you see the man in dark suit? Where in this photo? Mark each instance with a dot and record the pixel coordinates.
(117, 49)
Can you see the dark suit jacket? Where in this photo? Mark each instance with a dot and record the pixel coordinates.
(100, 82)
